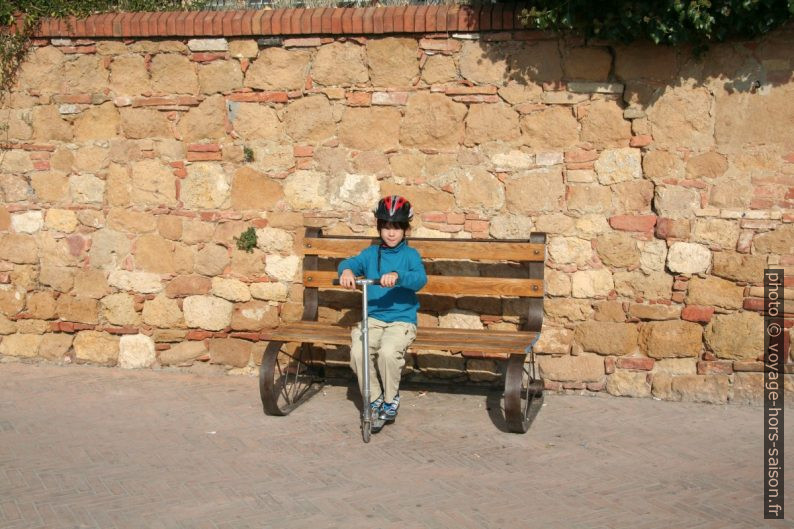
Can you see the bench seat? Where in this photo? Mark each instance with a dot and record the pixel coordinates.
(453, 340)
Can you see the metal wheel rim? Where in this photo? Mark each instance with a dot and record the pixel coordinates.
(286, 379)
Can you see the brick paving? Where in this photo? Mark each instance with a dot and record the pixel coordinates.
(87, 447)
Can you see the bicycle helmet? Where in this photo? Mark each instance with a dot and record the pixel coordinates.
(394, 208)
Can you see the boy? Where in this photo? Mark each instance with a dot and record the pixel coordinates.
(392, 306)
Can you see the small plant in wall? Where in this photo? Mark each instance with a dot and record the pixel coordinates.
(247, 240)
(248, 154)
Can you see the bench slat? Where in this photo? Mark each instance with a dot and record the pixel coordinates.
(432, 248)
(464, 340)
(450, 285)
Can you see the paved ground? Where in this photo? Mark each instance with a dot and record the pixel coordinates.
(84, 447)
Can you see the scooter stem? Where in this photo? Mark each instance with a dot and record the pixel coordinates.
(365, 409)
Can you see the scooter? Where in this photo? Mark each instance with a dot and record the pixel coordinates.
(370, 419)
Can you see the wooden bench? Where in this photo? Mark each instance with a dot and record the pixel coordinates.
(292, 366)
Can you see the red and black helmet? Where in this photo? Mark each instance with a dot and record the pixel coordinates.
(394, 208)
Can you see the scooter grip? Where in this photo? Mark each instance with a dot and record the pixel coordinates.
(335, 282)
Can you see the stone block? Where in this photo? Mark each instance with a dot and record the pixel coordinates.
(628, 384)
(713, 291)
(340, 64)
(220, 77)
(254, 316)
(521, 194)
(607, 338)
(432, 121)
(688, 258)
(173, 73)
(230, 352)
(136, 351)
(370, 128)
(491, 122)
(206, 121)
(183, 353)
(119, 309)
(591, 283)
(553, 128)
(164, 312)
(142, 282)
(21, 345)
(96, 347)
(207, 312)
(671, 339)
(78, 309)
(736, 336)
(278, 69)
(581, 368)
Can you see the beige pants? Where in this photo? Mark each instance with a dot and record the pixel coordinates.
(387, 345)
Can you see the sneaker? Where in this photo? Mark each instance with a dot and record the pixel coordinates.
(388, 412)
(376, 404)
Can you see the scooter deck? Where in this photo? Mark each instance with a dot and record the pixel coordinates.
(378, 424)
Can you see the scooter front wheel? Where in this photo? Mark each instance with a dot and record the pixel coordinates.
(366, 430)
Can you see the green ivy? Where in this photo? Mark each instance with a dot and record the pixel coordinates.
(672, 22)
(247, 240)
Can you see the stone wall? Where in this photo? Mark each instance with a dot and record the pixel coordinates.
(665, 184)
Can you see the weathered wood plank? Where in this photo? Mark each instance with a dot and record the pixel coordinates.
(432, 248)
(451, 285)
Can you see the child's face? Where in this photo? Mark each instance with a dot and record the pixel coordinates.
(392, 235)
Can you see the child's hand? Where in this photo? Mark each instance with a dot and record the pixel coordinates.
(389, 280)
(347, 279)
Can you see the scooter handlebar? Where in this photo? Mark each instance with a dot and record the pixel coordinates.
(360, 282)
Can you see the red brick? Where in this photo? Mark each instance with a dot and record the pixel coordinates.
(390, 98)
(638, 363)
(667, 228)
(198, 335)
(609, 365)
(302, 150)
(581, 155)
(204, 147)
(748, 365)
(434, 216)
(756, 304)
(697, 313)
(633, 222)
(457, 218)
(207, 56)
(359, 99)
(719, 367)
(204, 156)
(642, 140)
(259, 97)
(678, 297)
(476, 225)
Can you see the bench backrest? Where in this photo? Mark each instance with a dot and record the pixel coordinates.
(528, 254)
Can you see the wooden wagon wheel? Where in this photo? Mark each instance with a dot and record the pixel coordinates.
(288, 376)
(523, 392)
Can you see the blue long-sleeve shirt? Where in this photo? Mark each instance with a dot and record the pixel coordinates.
(400, 302)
